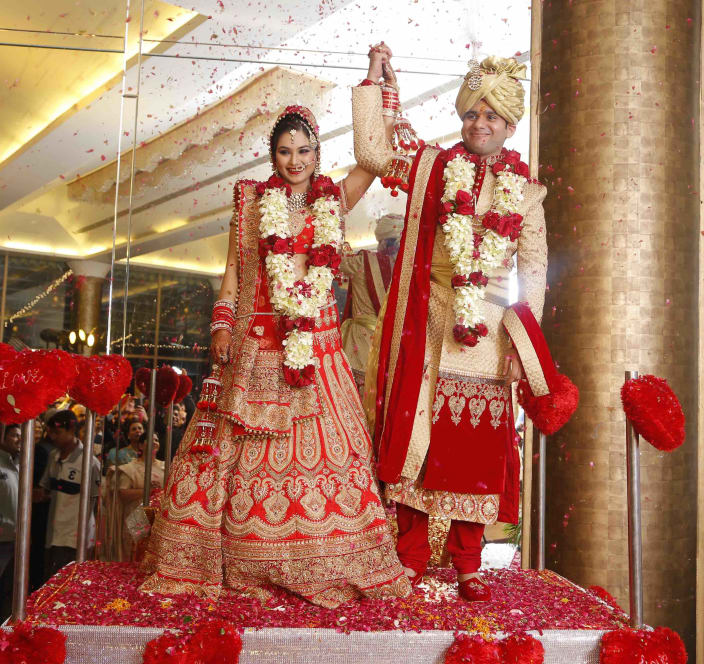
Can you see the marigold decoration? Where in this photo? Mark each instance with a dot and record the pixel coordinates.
(474, 254)
(31, 380)
(185, 385)
(26, 644)
(605, 596)
(629, 646)
(216, 642)
(654, 410)
(101, 381)
(298, 301)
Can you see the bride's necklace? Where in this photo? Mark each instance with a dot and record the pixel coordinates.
(296, 201)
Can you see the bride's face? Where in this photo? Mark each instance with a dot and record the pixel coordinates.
(295, 159)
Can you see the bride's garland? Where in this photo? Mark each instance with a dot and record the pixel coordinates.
(473, 255)
(298, 301)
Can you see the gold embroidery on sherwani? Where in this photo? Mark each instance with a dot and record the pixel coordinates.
(453, 372)
(529, 358)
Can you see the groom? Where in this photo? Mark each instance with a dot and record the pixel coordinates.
(441, 412)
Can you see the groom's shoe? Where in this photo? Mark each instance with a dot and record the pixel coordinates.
(474, 590)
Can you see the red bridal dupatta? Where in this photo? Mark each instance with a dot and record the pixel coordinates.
(402, 344)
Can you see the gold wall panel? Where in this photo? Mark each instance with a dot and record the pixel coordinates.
(619, 151)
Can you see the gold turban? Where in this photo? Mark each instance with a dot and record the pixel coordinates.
(498, 81)
(389, 226)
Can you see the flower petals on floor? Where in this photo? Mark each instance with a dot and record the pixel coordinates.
(96, 593)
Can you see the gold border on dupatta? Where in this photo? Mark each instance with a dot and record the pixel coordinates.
(425, 166)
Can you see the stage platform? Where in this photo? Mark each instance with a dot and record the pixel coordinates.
(106, 619)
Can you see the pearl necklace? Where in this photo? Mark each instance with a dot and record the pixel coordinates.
(296, 201)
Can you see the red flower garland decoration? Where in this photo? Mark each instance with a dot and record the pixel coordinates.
(168, 383)
(522, 649)
(629, 646)
(654, 410)
(32, 380)
(101, 381)
(185, 385)
(550, 412)
(216, 642)
(473, 650)
(515, 649)
(141, 379)
(27, 643)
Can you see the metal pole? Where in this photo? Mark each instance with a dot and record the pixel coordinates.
(540, 526)
(24, 525)
(169, 440)
(635, 553)
(86, 488)
(150, 441)
(527, 500)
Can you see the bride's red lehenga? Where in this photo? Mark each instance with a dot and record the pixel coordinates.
(289, 499)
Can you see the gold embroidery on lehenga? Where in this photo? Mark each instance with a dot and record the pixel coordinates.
(296, 506)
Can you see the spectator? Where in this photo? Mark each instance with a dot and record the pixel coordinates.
(125, 410)
(130, 487)
(61, 484)
(132, 430)
(9, 489)
(177, 431)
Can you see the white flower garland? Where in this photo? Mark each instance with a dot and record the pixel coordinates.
(472, 254)
(291, 297)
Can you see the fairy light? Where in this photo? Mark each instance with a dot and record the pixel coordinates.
(47, 291)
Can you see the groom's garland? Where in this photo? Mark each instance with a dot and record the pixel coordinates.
(474, 254)
(298, 301)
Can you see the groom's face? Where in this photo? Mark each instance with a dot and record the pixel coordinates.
(484, 131)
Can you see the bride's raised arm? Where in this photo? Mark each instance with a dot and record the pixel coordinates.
(362, 175)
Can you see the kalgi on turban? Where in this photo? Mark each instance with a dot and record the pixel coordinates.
(498, 80)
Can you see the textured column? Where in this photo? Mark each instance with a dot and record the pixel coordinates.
(619, 151)
(89, 278)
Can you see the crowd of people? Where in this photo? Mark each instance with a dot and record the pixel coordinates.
(116, 484)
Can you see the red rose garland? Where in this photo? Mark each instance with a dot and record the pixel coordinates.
(216, 642)
(473, 255)
(654, 410)
(298, 301)
(629, 646)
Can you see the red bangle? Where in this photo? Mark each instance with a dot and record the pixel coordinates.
(367, 81)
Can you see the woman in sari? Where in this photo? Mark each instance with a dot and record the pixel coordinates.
(273, 482)
(130, 487)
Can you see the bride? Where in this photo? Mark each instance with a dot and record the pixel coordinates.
(273, 482)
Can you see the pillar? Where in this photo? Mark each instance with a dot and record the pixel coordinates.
(619, 152)
(89, 277)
